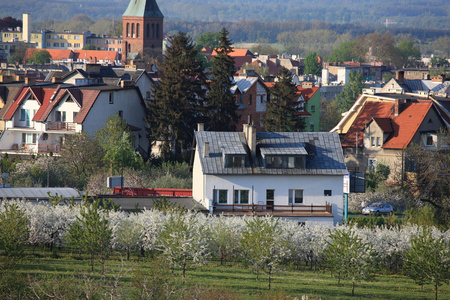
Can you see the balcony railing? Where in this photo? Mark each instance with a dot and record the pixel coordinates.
(273, 209)
(66, 126)
(49, 148)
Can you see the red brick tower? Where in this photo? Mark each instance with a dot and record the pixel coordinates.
(142, 30)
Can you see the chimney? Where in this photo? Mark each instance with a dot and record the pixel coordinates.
(398, 107)
(250, 136)
(400, 76)
(30, 81)
(200, 127)
(205, 149)
(26, 28)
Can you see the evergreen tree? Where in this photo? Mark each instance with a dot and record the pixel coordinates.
(281, 107)
(178, 98)
(351, 91)
(312, 65)
(221, 106)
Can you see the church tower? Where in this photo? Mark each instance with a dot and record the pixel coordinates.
(142, 30)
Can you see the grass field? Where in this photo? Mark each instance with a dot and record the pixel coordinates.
(127, 280)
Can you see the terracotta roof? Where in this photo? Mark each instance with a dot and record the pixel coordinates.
(405, 125)
(46, 97)
(56, 54)
(402, 128)
(12, 109)
(307, 93)
(41, 95)
(237, 52)
(95, 55)
(89, 97)
(11, 94)
(384, 124)
(371, 109)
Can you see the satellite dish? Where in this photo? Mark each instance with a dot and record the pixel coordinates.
(5, 175)
(45, 136)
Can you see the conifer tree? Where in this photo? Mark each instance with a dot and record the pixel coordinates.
(282, 112)
(178, 98)
(221, 106)
(351, 91)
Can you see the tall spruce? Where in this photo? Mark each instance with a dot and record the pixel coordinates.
(351, 91)
(282, 112)
(221, 106)
(178, 98)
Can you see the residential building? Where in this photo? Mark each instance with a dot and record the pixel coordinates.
(240, 57)
(65, 40)
(251, 95)
(369, 72)
(41, 116)
(292, 175)
(436, 84)
(380, 126)
(142, 29)
(309, 105)
(105, 43)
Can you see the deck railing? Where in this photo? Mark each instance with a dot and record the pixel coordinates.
(49, 148)
(258, 208)
(66, 126)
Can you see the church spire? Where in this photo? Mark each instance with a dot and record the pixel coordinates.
(143, 8)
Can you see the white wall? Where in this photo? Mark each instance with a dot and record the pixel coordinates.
(128, 101)
(313, 187)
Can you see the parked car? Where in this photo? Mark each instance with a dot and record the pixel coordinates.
(378, 209)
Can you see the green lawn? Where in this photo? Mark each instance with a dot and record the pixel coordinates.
(214, 281)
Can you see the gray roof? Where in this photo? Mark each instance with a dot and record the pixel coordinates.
(323, 152)
(36, 193)
(143, 8)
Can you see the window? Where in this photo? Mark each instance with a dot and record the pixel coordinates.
(29, 138)
(69, 37)
(241, 196)
(77, 45)
(7, 35)
(111, 98)
(120, 113)
(378, 142)
(234, 161)
(250, 99)
(311, 127)
(262, 98)
(138, 28)
(55, 44)
(69, 44)
(56, 37)
(429, 140)
(60, 116)
(284, 162)
(48, 44)
(372, 141)
(313, 108)
(76, 37)
(327, 192)
(220, 196)
(25, 115)
(295, 197)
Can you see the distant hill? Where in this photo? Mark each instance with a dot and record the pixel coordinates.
(402, 13)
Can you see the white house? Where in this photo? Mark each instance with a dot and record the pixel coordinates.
(293, 175)
(40, 117)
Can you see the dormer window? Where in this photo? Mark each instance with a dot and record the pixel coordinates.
(284, 162)
(234, 161)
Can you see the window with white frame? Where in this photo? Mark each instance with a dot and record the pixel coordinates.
(241, 196)
(220, 196)
(378, 142)
(25, 115)
(29, 138)
(295, 196)
(60, 116)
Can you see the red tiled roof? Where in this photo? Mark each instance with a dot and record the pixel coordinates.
(56, 54)
(46, 97)
(236, 52)
(402, 128)
(307, 93)
(89, 97)
(384, 124)
(12, 109)
(95, 55)
(405, 125)
(371, 109)
(42, 96)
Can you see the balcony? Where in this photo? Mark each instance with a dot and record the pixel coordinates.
(42, 148)
(61, 126)
(274, 210)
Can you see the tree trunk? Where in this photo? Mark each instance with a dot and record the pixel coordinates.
(353, 288)
(92, 262)
(128, 253)
(269, 278)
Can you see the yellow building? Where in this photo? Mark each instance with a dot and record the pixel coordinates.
(65, 40)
